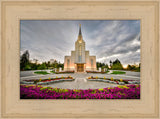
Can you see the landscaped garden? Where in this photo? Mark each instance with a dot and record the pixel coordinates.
(40, 92)
(47, 81)
(41, 72)
(64, 72)
(118, 72)
(102, 72)
(45, 72)
(112, 80)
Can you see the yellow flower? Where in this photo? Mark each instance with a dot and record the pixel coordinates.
(40, 79)
(96, 77)
(39, 86)
(101, 89)
(62, 76)
(65, 90)
(137, 86)
(121, 80)
(56, 76)
(104, 77)
(110, 88)
(119, 86)
(49, 78)
(112, 79)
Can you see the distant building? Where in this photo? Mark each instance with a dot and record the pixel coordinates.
(35, 61)
(80, 60)
(52, 61)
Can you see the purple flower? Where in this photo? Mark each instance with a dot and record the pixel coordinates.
(33, 92)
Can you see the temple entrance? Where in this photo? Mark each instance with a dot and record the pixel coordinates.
(80, 67)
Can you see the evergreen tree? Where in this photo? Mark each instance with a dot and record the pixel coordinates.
(110, 63)
(24, 60)
(116, 65)
(42, 66)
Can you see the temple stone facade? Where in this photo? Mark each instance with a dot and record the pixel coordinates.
(80, 59)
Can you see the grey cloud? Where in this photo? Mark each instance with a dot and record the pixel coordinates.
(104, 38)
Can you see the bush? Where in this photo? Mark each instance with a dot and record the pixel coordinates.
(27, 67)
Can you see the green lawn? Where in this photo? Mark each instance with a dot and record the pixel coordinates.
(118, 72)
(52, 71)
(41, 72)
(107, 71)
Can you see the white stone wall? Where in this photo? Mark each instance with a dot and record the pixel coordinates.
(77, 45)
(89, 66)
(87, 61)
(67, 66)
(73, 59)
(94, 66)
(85, 57)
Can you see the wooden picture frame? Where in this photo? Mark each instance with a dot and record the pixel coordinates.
(12, 11)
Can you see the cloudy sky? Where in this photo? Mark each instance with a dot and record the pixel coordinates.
(107, 39)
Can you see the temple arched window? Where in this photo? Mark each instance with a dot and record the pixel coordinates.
(91, 62)
(68, 62)
(80, 53)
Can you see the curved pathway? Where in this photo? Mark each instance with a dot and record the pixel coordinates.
(80, 79)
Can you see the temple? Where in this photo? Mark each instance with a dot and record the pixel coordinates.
(80, 60)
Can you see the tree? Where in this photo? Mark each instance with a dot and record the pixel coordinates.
(27, 67)
(42, 66)
(101, 65)
(116, 65)
(134, 67)
(24, 60)
(110, 63)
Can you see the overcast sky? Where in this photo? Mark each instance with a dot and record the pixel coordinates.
(106, 39)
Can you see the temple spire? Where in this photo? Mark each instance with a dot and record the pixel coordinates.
(80, 33)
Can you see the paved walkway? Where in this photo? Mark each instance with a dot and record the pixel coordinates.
(81, 83)
(80, 80)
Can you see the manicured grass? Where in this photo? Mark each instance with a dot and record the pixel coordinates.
(52, 71)
(118, 72)
(41, 72)
(107, 71)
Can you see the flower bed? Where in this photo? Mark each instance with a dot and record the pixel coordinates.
(114, 81)
(63, 72)
(95, 72)
(47, 81)
(120, 92)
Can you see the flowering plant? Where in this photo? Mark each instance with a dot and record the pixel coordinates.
(120, 92)
(111, 80)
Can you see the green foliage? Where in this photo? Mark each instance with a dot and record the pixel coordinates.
(42, 66)
(27, 67)
(35, 81)
(24, 60)
(133, 68)
(52, 71)
(25, 64)
(118, 72)
(116, 65)
(101, 65)
(41, 72)
(107, 71)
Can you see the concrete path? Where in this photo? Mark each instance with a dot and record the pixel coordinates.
(81, 83)
(80, 79)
